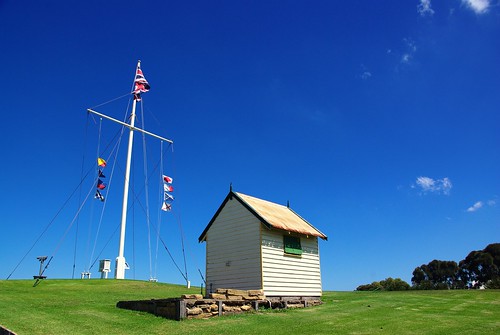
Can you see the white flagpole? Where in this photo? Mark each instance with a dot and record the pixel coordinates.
(121, 264)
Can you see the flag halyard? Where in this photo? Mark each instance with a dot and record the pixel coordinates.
(167, 197)
(100, 186)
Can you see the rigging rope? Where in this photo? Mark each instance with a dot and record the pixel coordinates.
(179, 222)
(160, 200)
(136, 199)
(76, 216)
(49, 224)
(65, 233)
(109, 101)
(193, 259)
(115, 150)
(80, 194)
(96, 176)
(145, 171)
(159, 239)
(133, 240)
(83, 177)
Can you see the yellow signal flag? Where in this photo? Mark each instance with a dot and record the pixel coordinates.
(101, 162)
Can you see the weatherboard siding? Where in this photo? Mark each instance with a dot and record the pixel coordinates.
(289, 275)
(233, 249)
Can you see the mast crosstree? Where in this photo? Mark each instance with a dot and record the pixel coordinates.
(121, 264)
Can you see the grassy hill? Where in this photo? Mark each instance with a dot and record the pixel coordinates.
(88, 307)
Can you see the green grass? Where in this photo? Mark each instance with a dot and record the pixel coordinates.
(88, 307)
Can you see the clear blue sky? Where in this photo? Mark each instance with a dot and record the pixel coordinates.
(378, 120)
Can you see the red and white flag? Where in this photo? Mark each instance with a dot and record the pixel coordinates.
(166, 207)
(167, 179)
(141, 85)
(168, 188)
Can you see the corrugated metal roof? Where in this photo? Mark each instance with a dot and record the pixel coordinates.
(280, 217)
(270, 214)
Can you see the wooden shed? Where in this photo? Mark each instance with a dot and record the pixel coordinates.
(254, 244)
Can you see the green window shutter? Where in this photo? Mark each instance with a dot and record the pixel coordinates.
(292, 245)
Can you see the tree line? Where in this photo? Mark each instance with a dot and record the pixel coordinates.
(480, 269)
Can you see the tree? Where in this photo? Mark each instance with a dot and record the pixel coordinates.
(375, 286)
(494, 250)
(436, 275)
(388, 284)
(481, 267)
(397, 284)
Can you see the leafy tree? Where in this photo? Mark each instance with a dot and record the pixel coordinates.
(436, 275)
(375, 286)
(481, 267)
(388, 284)
(494, 283)
(494, 250)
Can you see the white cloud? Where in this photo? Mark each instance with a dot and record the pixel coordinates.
(446, 185)
(411, 48)
(427, 184)
(424, 8)
(410, 44)
(365, 73)
(478, 6)
(475, 207)
(479, 204)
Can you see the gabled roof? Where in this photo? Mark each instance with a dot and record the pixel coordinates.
(270, 214)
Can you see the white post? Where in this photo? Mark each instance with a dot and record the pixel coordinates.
(121, 265)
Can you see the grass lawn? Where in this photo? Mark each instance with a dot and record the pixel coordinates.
(88, 307)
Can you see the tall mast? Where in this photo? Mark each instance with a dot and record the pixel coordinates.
(121, 264)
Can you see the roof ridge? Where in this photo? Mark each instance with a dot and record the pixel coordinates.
(259, 199)
(258, 211)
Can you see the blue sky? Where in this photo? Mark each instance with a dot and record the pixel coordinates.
(378, 120)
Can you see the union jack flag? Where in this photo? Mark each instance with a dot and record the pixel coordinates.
(141, 84)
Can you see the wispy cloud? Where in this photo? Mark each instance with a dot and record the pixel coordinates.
(475, 207)
(404, 54)
(478, 6)
(366, 75)
(430, 185)
(480, 204)
(410, 49)
(424, 8)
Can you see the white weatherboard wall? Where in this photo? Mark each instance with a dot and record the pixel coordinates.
(290, 275)
(233, 249)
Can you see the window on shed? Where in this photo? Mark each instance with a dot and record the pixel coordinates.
(292, 245)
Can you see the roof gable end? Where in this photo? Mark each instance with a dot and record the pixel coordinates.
(270, 214)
